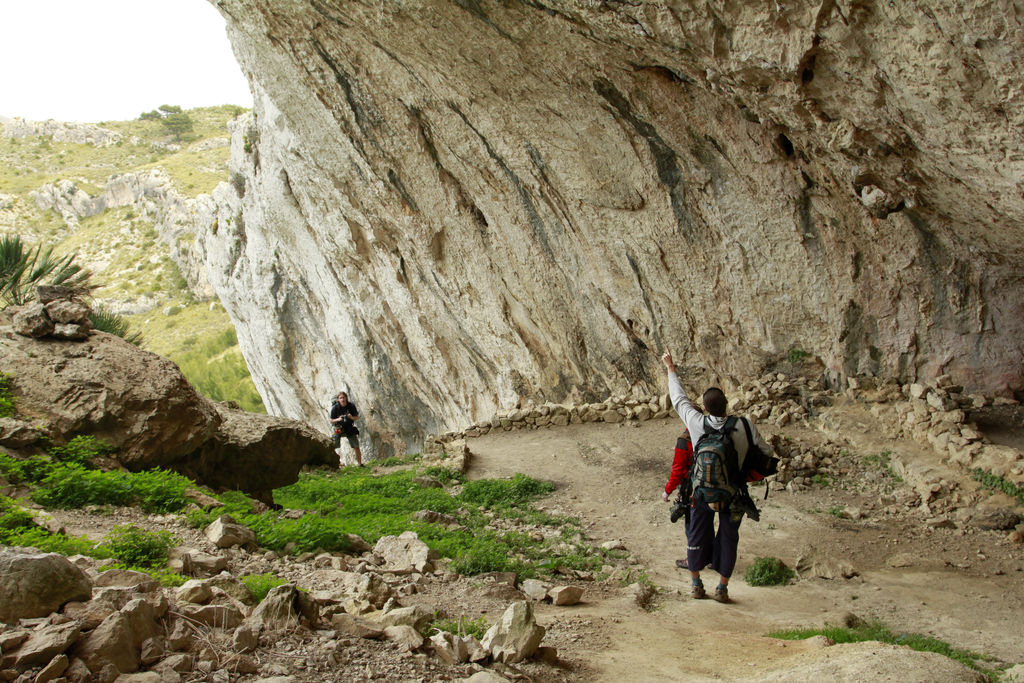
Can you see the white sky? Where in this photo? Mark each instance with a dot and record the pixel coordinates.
(111, 60)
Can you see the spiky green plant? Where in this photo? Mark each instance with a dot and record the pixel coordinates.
(22, 268)
(107, 321)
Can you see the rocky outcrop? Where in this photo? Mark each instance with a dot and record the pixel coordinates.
(281, 447)
(456, 207)
(105, 387)
(143, 406)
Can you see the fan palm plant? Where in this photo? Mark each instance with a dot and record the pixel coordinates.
(22, 268)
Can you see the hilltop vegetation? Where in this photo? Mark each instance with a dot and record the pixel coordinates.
(124, 246)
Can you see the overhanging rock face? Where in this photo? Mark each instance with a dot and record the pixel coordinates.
(452, 206)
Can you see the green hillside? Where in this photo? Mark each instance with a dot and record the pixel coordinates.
(122, 246)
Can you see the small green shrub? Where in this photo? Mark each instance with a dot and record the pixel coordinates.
(7, 408)
(261, 584)
(768, 571)
(796, 355)
(462, 626)
(505, 493)
(73, 486)
(836, 511)
(81, 450)
(113, 323)
(137, 547)
(12, 517)
(166, 577)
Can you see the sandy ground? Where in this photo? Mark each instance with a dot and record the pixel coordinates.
(964, 588)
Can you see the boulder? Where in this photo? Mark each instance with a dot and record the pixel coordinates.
(565, 595)
(110, 643)
(257, 453)
(224, 532)
(406, 637)
(198, 563)
(32, 321)
(67, 311)
(405, 551)
(105, 387)
(127, 578)
(35, 584)
(516, 636)
(196, 592)
(534, 589)
(53, 670)
(214, 616)
(349, 625)
(283, 608)
(16, 433)
(43, 645)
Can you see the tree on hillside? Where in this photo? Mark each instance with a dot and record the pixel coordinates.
(177, 122)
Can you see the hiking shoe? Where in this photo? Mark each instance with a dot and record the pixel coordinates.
(697, 592)
(721, 594)
(682, 564)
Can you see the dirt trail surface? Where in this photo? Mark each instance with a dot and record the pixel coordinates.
(963, 587)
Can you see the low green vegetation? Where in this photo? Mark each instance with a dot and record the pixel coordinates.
(66, 478)
(882, 461)
(994, 482)
(461, 626)
(768, 571)
(136, 547)
(877, 631)
(836, 511)
(796, 355)
(6, 396)
(261, 584)
(357, 501)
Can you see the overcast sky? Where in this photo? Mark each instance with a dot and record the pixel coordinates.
(111, 60)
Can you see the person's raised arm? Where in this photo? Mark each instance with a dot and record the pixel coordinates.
(688, 412)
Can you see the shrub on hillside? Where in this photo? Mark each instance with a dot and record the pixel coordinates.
(768, 571)
(137, 547)
(6, 396)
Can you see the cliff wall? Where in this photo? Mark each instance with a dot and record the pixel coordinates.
(453, 207)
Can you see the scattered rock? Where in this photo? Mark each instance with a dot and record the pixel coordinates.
(516, 636)
(35, 584)
(566, 595)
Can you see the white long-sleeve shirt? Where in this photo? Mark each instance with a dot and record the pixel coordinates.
(693, 418)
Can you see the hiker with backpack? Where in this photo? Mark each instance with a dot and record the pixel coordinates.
(343, 416)
(718, 472)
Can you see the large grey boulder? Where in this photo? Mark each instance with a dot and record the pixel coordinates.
(283, 608)
(35, 584)
(134, 400)
(516, 636)
(257, 453)
(405, 552)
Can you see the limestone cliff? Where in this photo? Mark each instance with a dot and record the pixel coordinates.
(455, 206)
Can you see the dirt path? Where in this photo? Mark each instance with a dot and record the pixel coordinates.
(965, 589)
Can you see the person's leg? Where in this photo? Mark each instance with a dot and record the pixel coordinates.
(353, 441)
(699, 537)
(726, 544)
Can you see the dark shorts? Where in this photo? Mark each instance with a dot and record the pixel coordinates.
(353, 439)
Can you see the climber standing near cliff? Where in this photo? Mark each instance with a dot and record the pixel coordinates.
(343, 416)
(725, 449)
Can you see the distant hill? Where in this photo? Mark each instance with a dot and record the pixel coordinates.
(111, 194)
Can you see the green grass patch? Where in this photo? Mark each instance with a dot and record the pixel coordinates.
(202, 341)
(261, 584)
(796, 355)
(461, 626)
(66, 479)
(994, 482)
(357, 501)
(876, 631)
(7, 408)
(768, 571)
